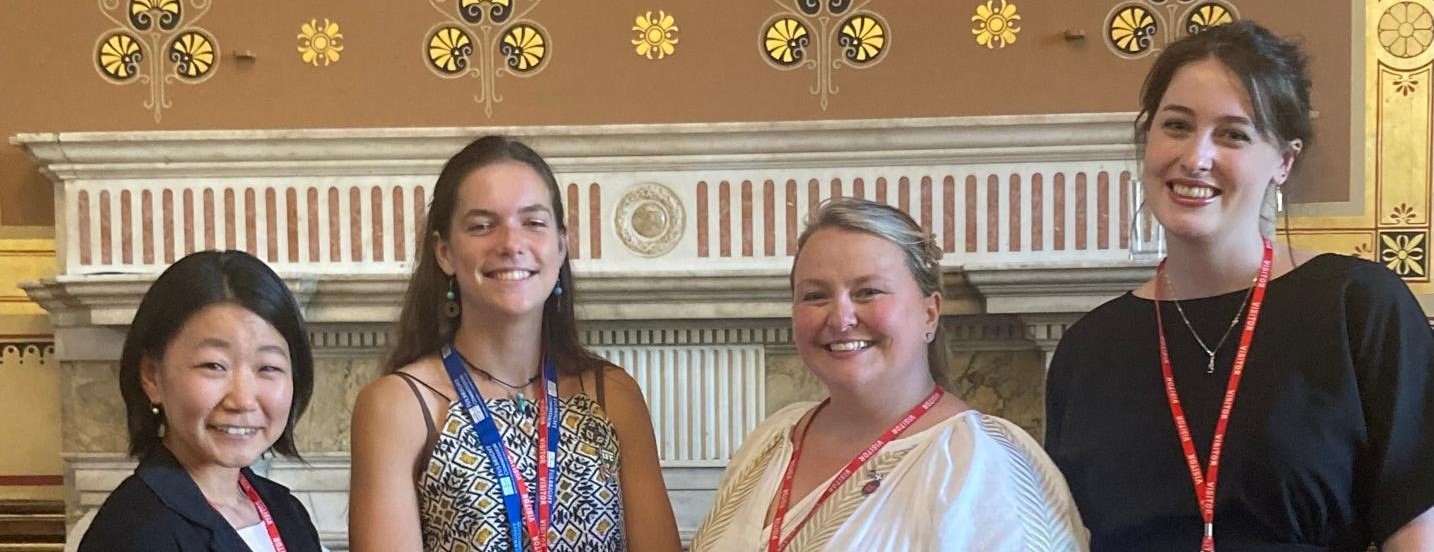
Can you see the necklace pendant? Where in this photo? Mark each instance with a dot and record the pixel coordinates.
(522, 403)
(1210, 368)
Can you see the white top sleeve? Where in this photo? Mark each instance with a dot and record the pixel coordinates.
(970, 483)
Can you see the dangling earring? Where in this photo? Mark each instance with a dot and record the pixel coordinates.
(558, 289)
(1279, 199)
(451, 307)
(930, 336)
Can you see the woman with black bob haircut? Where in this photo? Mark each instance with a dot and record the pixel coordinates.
(1247, 397)
(494, 428)
(216, 370)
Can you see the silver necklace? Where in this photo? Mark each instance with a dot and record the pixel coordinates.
(1209, 352)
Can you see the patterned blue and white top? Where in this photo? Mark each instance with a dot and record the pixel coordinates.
(461, 507)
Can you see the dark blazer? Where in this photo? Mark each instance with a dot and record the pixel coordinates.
(160, 509)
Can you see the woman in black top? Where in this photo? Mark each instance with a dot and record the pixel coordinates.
(1329, 439)
(216, 370)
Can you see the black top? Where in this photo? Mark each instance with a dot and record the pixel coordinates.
(160, 508)
(1331, 440)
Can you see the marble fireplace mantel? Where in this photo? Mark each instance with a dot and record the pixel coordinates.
(681, 239)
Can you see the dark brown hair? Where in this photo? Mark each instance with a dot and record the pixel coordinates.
(1274, 71)
(422, 327)
(187, 287)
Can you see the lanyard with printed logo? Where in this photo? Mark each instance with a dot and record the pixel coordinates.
(1204, 480)
(264, 516)
(520, 511)
(775, 542)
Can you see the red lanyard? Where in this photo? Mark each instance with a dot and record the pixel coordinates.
(775, 542)
(538, 525)
(1205, 479)
(263, 514)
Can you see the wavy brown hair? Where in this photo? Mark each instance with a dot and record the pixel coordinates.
(422, 327)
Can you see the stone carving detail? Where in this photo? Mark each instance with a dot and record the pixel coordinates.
(650, 220)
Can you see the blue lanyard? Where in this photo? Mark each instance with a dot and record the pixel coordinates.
(489, 438)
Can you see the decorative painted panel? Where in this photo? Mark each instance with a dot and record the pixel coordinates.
(320, 43)
(996, 25)
(1139, 28)
(486, 39)
(656, 35)
(23, 259)
(1393, 225)
(825, 36)
(156, 42)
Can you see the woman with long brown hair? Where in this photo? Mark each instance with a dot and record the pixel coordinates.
(495, 429)
(1250, 397)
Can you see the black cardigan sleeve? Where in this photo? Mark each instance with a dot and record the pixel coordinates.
(131, 520)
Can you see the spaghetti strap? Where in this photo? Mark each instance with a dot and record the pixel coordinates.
(599, 383)
(412, 379)
(413, 383)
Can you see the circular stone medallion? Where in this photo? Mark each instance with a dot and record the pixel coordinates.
(650, 219)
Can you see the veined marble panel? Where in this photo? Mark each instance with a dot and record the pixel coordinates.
(92, 414)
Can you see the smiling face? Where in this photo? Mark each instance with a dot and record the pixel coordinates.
(1207, 168)
(226, 385)
(504, 247)
(858, 315)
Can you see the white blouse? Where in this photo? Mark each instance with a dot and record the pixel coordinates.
(257, 537)
(971, 483)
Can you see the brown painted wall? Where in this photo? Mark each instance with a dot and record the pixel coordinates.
(932, 67)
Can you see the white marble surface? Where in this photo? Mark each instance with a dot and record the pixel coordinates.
(394, 151)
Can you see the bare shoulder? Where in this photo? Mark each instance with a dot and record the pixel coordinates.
(623, 401)
(619, 381)
(389, 402)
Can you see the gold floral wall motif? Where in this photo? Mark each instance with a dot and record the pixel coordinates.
(486, 39)
(656, 35)
(1389, 221)
(995, 26)
(320, 43)
(824, 35)
(1399, 39)
(155, 42)
(1138, 28)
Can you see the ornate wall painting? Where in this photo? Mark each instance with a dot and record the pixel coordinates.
(1390, 222)
(1138, 28)
(825, 36)
(1399, 110)
(320, 42)
(486, 40)
(156, 42)
(656, 35)
(995, 25)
